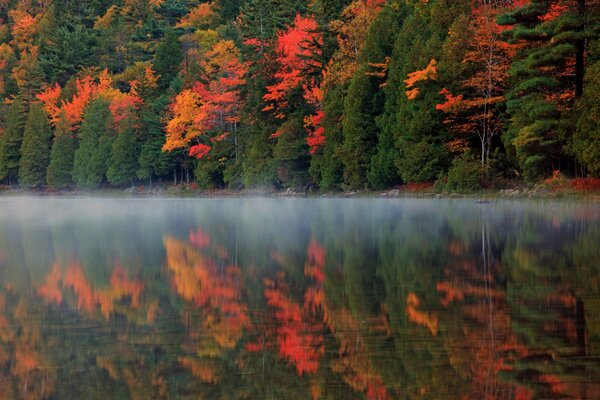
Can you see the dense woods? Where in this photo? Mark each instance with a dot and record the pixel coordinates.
(328, 94)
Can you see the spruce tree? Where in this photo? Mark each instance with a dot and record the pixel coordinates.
(291, 153)
(59, 174)
(11, 139)
(365, 99)
(123, 162)
(95, 144)
(35, 148)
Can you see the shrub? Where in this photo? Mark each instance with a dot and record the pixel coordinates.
(464, 175)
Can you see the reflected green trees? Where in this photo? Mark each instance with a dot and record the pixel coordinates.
(290, 299)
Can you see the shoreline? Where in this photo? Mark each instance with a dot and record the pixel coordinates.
(397, 192)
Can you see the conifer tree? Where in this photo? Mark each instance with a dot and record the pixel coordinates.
(59, 174)
(11, 139)
(123, 162)
(167, 59)
(35, 148)
(95, 137)
(544, 81)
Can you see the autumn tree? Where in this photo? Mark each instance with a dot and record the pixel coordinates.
(478, 107)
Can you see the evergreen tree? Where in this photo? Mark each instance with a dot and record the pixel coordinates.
(291, 153)
(35, 148)
(365, 101)
(326, 167)
(11, 139)
(586, 140)
(544, 85)
(152, 160)
(123, 162)
(59, 174)
(95, 137)
(168, 58)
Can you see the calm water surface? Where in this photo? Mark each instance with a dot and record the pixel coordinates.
(298, 299)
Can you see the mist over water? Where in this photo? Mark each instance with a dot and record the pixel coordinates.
(298, 298)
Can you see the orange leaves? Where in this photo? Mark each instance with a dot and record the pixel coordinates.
(428, 73)
(122, 104)
(211, 106)
(199, 369)
(187, 121)
(88, 88)
(557, 8)
(24, 28)
(201, 16)
(196, 279)
(50, 291)
(50, 97)
(426, 319)
(351, 30)
(88, 297)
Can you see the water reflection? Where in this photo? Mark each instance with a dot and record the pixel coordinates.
(298, 299)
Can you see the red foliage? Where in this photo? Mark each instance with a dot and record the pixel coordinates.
(297, 339)
(199, 238)
(585, 184)
(200, 150)
(296, 55)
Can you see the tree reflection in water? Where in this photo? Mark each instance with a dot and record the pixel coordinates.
(319, 299)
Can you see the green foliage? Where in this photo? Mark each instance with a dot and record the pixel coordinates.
(59, 173)
(586, 140)
(35, 148)
(11, 139)
(123, 162)
(291, 153)
(464, 175)
(326, 167)
(168, 58)
(95, 137)
(536, 104)
(364, 103)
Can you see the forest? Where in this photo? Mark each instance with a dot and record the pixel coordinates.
(323, 95)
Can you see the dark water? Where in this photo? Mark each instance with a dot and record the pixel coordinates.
(298, 299)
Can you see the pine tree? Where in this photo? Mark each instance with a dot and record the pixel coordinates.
(59, 174)
(95, 137)
(586, 140)
(35, 148)
(544, 81)
(11, 139)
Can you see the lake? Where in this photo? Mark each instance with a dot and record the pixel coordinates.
(298, 298)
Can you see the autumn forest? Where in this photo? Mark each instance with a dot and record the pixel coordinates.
(327, 94)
